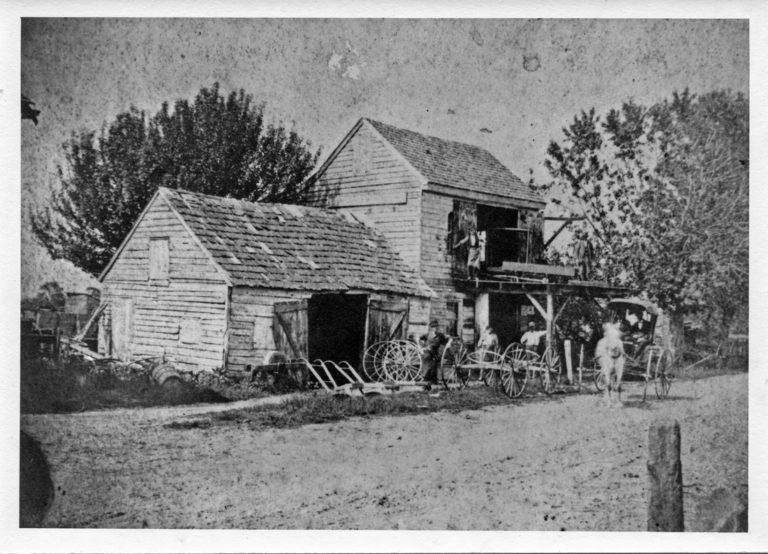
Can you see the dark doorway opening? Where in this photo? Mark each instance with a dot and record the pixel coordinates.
(336, 327)
(504, 241)
(505, 318)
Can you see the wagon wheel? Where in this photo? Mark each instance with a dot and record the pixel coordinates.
(662, 378)
(402, 361)
(491, 375)
(598, 376)
(372, 360)
(452, 365)
(514, 373)
(550, 370)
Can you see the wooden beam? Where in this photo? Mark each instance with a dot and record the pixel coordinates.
(556, 233)
(568, 218)
(550, 318)
(484, 198)
(543, 269)
(560, 311)
(536, 305)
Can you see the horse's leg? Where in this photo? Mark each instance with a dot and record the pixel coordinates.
(606, 369)
(619, 374)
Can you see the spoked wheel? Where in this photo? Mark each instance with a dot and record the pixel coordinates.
(402, 361)
(514, 373)
(663, 378)
(453, 364)
(372, 360)
(491, 377)
(550, 370)
(599, 377)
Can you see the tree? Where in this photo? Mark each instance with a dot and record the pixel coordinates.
(51, 296)
(665, 191)
(214, 145)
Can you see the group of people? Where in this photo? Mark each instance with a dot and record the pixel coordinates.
(433, 342)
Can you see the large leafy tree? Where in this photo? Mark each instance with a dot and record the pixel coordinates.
(215, 145)
(665, 191)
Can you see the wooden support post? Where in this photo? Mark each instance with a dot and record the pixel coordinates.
(665, 477)
(550, 319)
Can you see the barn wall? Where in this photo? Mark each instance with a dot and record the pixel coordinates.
(437, 260)
(252, 315)
(368, 179)
(250, 323)
(192, 299)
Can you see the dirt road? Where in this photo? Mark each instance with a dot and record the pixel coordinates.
(568, 462)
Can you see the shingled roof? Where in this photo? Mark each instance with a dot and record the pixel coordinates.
(456, 164)
(293, 247)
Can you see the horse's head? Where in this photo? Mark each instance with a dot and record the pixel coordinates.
(612, 330)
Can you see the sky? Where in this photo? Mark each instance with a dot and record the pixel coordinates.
(508, 85)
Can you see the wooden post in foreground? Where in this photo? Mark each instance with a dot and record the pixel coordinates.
(665, 477)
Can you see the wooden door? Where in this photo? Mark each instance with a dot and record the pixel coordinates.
(464, 221)
(289, 328)
(122, 328)
(387, 320)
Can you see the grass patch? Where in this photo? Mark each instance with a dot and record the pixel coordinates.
(305, 410)
(58, 387)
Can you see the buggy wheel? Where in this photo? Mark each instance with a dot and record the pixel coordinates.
(599, 378)
(372, 360)
(549, 370)
(491, 377)
(402, 361)
(453, 364)
(662, 378)
(514, 373)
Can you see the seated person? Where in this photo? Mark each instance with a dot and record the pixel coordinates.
(488, 342)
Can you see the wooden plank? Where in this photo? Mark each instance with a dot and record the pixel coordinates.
(538, 269)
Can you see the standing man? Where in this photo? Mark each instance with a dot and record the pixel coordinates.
(435, 340)
(473, 256)
(531, 338)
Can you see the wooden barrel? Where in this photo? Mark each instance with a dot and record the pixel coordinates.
(165, 373)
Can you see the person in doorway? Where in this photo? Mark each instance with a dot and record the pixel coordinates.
(473, 254)
(489, 342)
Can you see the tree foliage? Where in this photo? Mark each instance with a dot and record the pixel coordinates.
(665, 190)
(214, 145)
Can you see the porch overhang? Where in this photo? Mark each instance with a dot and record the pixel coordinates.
(584, 289)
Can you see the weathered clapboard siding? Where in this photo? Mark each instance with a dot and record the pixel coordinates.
(368, 179)
(193, 292)
(160, 311)
(252, 315)
(187, 259)
(250, 324)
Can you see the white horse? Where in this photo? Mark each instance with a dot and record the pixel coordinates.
(610, 356)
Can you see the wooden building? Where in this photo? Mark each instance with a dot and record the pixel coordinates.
(424, 194)
(212, 282)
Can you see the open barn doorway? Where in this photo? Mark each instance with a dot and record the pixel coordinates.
(505, 317)
(336, 325)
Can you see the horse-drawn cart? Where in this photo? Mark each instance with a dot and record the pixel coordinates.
(511, 369)
(644, 358)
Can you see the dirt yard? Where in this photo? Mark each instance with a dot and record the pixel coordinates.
(566, 462)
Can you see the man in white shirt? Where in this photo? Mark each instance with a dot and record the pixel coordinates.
(531, 338)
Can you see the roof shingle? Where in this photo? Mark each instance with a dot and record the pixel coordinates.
(293, 247)
(456, 164)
